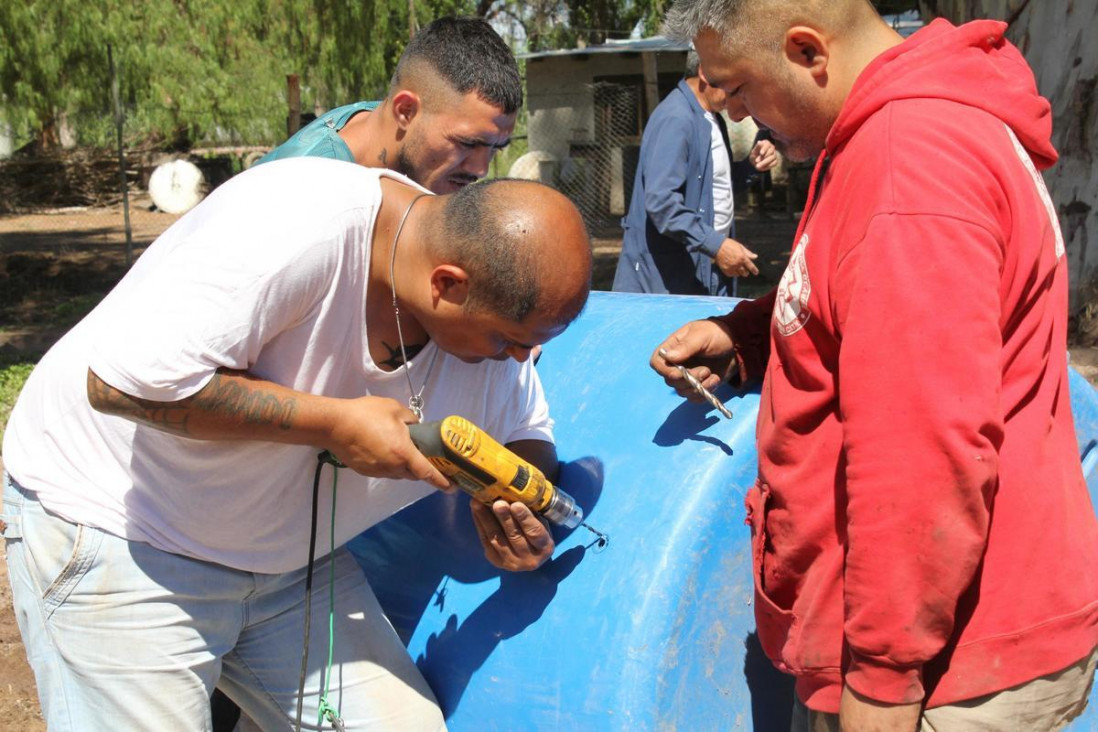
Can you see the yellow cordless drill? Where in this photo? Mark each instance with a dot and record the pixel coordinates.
(488, 471)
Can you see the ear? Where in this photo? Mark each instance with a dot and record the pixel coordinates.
(806, 48)
(406, 105)
(449, 283)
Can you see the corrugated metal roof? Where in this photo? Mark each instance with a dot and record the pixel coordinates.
(904, 23)
(654, 43)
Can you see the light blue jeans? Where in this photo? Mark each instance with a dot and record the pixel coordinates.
(122, 636)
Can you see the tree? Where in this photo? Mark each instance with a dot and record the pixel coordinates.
(188, 67)
(1057, 40)
(47, 62)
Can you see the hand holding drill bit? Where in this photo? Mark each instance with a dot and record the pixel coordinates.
(705, 393)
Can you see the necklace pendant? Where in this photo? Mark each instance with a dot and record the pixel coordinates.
(415, 403)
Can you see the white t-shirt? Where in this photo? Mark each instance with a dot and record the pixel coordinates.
(268, 274)
(723, 207)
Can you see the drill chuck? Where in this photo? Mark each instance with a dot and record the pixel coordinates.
(563, 511)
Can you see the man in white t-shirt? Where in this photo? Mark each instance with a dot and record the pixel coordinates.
(162, 456)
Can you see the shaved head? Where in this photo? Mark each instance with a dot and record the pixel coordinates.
(524, 246)
(436, 93)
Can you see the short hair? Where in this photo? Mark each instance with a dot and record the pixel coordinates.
(732, 20)
(503, 271)
(484, 228)
(469, 56)
(693, 63)
(747, 26)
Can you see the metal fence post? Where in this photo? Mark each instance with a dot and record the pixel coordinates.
(121, 156)
(293, 98)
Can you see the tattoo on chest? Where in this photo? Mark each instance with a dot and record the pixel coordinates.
(395, 358)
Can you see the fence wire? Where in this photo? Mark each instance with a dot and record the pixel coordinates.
(592, 161)
(598, 175)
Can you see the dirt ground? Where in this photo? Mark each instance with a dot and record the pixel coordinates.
(56, 266)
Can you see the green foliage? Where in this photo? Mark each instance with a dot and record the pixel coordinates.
(44, 49)
(594, 21)
(189, 70)
(69, 310)
(13, 374)
(548, 24)
(207, 71)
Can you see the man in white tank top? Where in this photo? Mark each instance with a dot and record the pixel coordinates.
(161, 456)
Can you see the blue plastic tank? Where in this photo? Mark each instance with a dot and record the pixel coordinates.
(654, 631)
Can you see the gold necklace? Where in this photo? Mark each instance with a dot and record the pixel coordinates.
(415, 399)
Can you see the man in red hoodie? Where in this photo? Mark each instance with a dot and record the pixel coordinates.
(924, 543)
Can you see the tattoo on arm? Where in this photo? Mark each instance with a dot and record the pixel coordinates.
(221, 397)
(167, 416)
(396, 358)
(234, 398)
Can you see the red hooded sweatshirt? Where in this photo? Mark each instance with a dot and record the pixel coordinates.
(921, 526)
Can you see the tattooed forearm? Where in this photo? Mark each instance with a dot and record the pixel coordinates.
(167, 416)
(236, 398)
(228, 399)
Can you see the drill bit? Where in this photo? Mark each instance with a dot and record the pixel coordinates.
(708, 395)
(603, 540)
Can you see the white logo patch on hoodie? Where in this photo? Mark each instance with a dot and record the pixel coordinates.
(791, 305)
(1042, 190)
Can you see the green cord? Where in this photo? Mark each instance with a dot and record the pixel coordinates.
(325, 709)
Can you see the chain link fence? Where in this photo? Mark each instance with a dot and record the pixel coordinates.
(586, 143)
(586, 146)
(598, 175)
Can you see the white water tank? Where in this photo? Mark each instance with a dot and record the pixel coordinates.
(536, 165)
(177, 186)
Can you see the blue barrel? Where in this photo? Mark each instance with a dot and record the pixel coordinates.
(654, 630)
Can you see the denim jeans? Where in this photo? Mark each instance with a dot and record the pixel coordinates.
(122, 636)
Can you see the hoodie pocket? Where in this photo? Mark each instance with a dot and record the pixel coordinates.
(773, 622)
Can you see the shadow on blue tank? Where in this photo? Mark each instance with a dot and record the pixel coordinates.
(653, 631)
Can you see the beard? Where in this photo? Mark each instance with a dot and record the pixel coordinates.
(404, 165)
(409, 162)
(797, 151)
(807, 140)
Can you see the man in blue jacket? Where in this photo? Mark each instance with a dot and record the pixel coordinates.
(678, 230)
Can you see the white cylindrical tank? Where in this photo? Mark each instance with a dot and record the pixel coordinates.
(177, 186)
